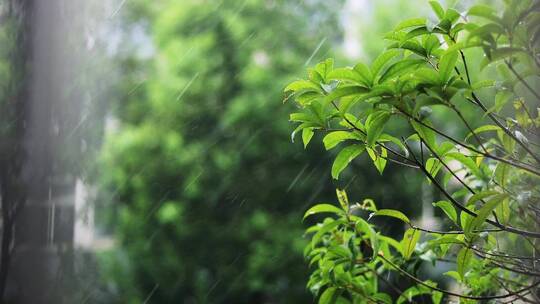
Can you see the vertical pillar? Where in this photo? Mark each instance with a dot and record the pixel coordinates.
(43, 236)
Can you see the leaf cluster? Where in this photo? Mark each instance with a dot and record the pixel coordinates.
(487, 178)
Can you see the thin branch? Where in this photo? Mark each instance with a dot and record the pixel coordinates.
(511, 67)
(505, 129)
(492, 117)
(352, 125)
(488, 155)
(522, 297)
(456, 176)
(452, 231)
(465, 209)
(450, 293)
(458, 112)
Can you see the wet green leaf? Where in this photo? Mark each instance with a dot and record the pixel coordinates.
(437, 8)
(344, 157)
(448, 208)
(332, 139)
(307, 134)
(322, 208)
(447, 64)
(392, 213)
(463, 261)
(408, 244)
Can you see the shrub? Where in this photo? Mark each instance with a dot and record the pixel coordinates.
(427, 81)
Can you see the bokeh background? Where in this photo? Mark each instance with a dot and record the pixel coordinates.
(154, 144)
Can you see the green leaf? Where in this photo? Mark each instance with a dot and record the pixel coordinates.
(306, 98)
(483, 213)
(352, 121)
(342, 300)
(483, 84)
(377, 91)
(436, 296)
(501, 174)
(485, 30)
(424, 101)
(413, 22)
(437, 8)
(327, 227)
(462, 45)
(410, 45)
(425, 133)
(390, 241)
(325, 67)
(329, 296)
(382, 298)
(408, 244)
(379, 159)
(363, 226)
(417, 32)
(364, 71)
(463, 261)
(375, 126)
(502, 53)
(447, 64)
(454, 31)
(332, 139)
(433, 165)
(431, 43)
(416, 290)
(391, 213)
(344, 91)
(380, 61)
(397, 142)
(427, 75)
(448, 208)
(466, 161)
(344, 157)
(343, 199)
(445, 147)
(349, 75)
(482, 129)
(315, 76)
(322, 208)
(302, 117)
(446, 239)
(452, 15)
(307, 134)
(299, 85)
(501, 99)
(503, 211)
(465, 220)
(480, 196)
(485, 12)
(454, 275)
(301, 127)
(400, 68)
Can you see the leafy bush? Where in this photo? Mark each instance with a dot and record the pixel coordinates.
(487, 178)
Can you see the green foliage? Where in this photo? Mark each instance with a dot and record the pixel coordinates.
(194, 178)
(488, 176)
